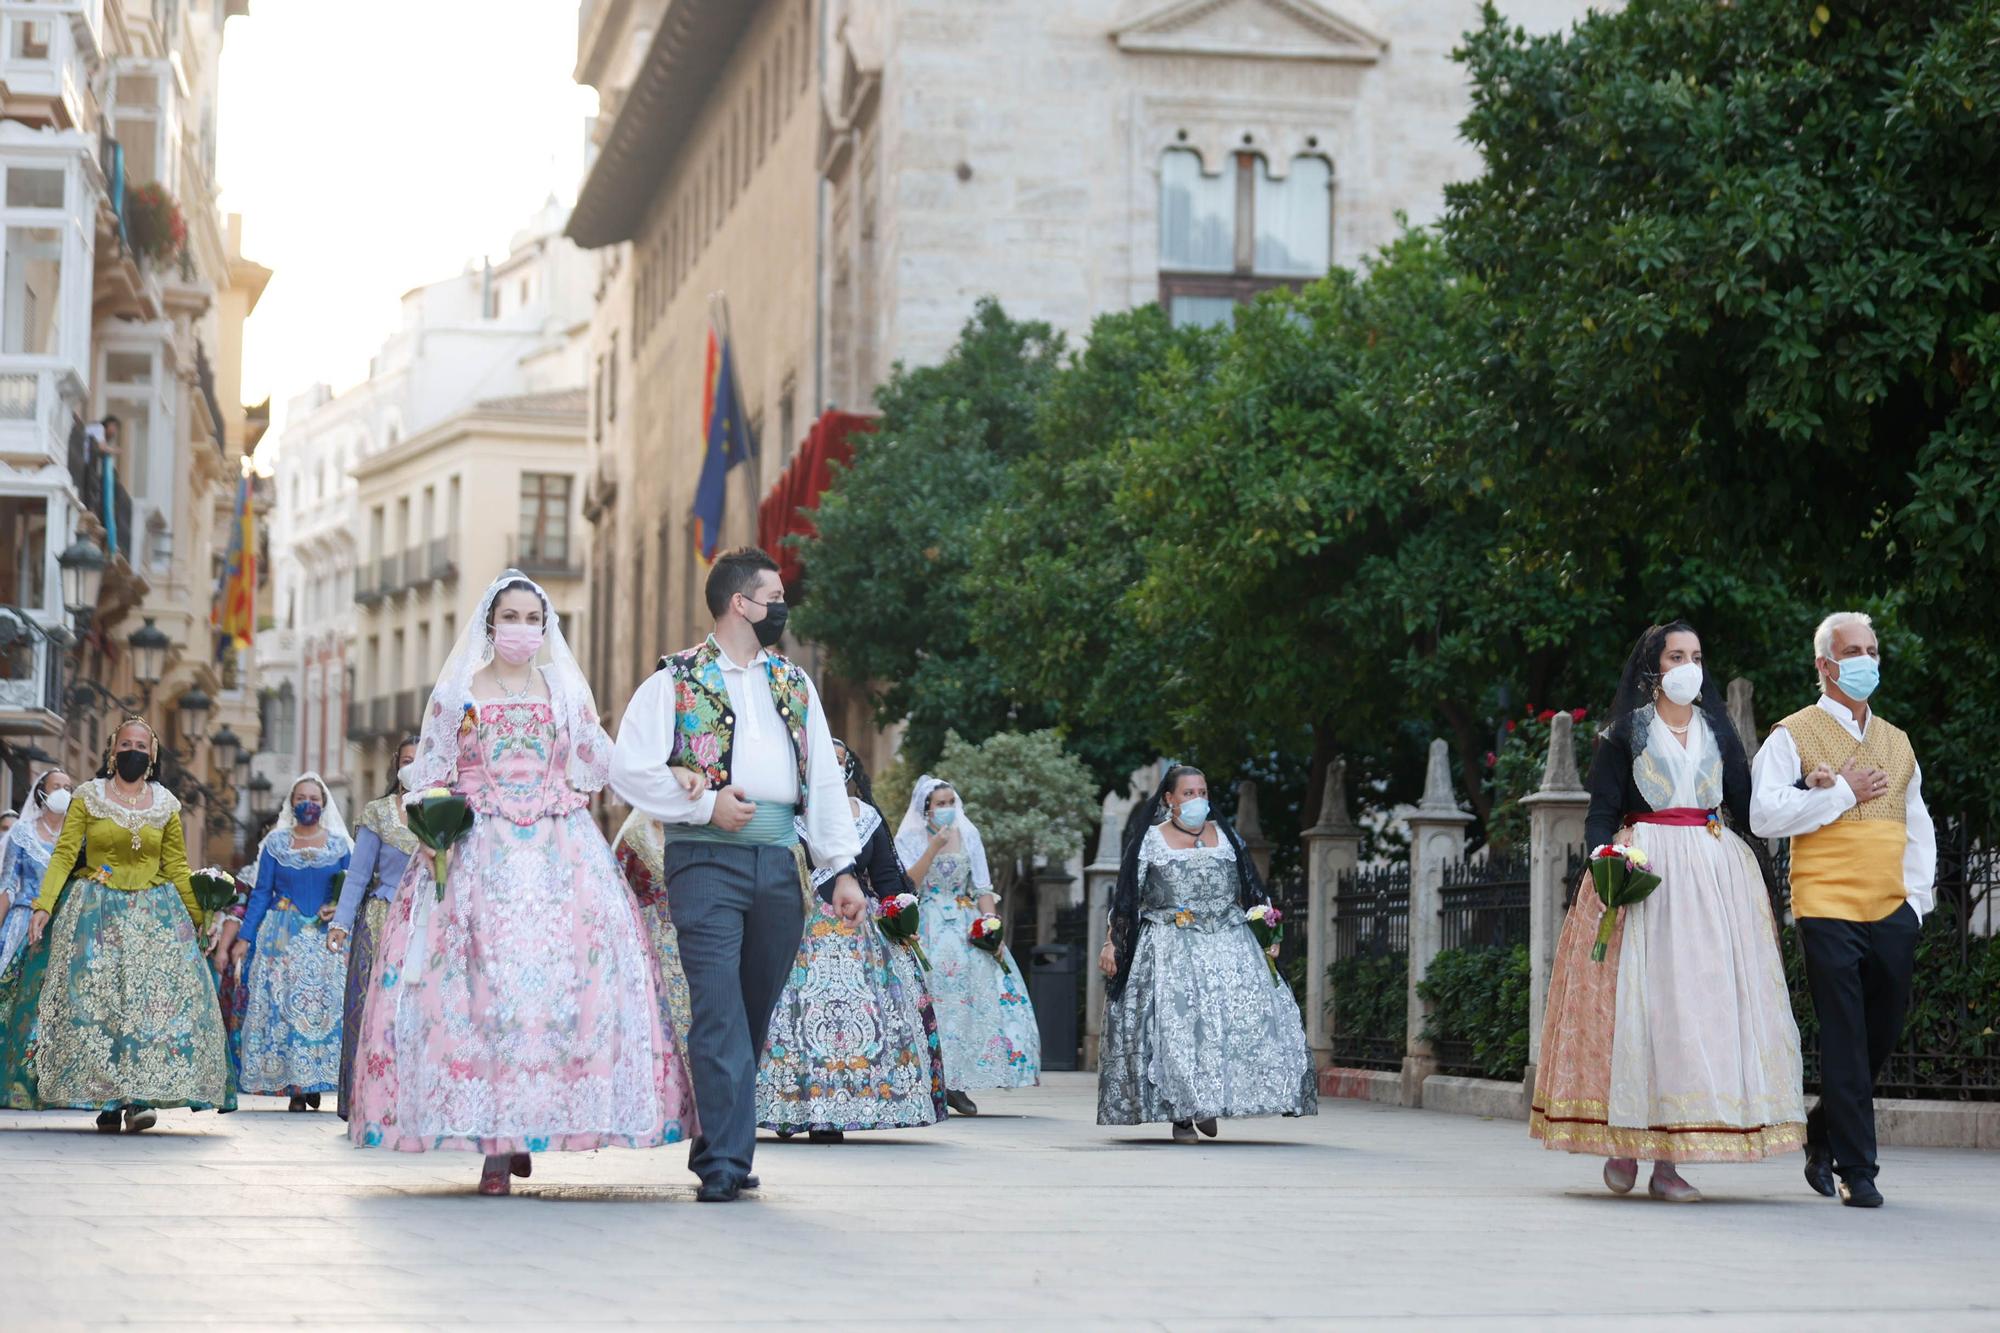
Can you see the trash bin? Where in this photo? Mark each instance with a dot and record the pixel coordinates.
(1052, 989)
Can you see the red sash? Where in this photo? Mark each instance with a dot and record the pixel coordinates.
(1680, 816)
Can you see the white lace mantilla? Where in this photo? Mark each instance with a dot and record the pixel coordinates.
(1154, 849)
(97, 800)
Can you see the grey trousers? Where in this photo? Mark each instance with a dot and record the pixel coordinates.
(740, 915)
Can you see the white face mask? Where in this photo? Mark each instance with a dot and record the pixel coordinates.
(1683, 683)
(57, 801)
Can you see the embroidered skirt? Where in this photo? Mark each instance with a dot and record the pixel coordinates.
(853, 1041)
(360, 967)
(117, 1008)
(1680, 1046)
(290, 1042)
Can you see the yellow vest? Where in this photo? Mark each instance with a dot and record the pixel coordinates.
(1852, 869)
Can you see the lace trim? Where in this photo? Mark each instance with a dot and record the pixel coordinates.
(100, 805)
(380, 817)
(1155, 850)
(281, 850)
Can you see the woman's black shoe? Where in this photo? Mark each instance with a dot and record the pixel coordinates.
(312, 1100)
(107, 1122)
(960, 1103)
(296, 1104)
(827, 1136)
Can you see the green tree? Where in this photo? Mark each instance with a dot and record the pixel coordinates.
(1052, 565)
(1029, 796)
(888, 566)
(1743, 356)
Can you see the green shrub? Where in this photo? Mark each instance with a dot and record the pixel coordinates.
(1480, 996)
(1370, 996)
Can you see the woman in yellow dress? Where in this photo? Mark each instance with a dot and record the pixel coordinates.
(115, 1012)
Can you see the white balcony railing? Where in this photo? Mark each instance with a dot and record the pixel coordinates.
(42, 60)
(35, 410)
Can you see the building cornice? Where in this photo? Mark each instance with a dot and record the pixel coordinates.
(689, 54)
(470, 423)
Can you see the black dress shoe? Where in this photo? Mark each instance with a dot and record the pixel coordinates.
(721, 1192)
(827, 1136)
(1860, 1193)
(1819, 1169)
(751, 1183)
(312, 1100)
(960, 1103)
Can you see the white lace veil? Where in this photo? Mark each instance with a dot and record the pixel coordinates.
(914, 833)
(436, 763)
(337, 836)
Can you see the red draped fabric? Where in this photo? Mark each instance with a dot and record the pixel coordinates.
(786, 512)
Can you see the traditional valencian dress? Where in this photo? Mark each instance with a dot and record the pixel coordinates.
(1680, 1046)
(116, 1008)
(985, 1023)
(22, 865)
(290, 1040)
(854, 1040)
(516, 1010)
(1199, 1027)
(382, 851)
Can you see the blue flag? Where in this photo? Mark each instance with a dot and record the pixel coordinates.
(726, 429)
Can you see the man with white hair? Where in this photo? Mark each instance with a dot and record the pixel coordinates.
(1844, 786)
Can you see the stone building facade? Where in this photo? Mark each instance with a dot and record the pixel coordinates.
(855, 174)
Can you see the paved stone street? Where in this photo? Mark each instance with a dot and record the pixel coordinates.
(1029, 1217)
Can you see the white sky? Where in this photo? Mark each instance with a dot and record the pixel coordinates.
(376, 145)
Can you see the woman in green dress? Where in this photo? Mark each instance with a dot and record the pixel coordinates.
(115, 1012)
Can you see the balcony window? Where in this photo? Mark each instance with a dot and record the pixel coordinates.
(544, 519)
(140, 116)
(24, 546)
(32, 322)
(35, 187)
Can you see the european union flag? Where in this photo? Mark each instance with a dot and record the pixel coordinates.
(727, 430)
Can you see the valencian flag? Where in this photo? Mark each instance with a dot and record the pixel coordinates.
(235, 611)
(726, 430)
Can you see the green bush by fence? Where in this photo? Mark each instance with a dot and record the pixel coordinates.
(1480, 997)
(1373, 996)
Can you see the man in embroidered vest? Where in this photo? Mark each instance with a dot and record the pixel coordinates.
(749, 723)
(1844, 786)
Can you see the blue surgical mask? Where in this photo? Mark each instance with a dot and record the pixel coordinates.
(1193, 814)
(945, 818)
(1858, 677)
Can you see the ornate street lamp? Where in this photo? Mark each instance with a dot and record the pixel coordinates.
(82, 576)
(149, 646)
(192, 714)
(242, 768)
(227, 746)
(263, 797)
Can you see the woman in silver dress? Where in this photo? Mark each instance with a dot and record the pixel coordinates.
(1197, 1026)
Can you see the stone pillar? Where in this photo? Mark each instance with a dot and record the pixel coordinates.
(1099, 877)
(1333, 849)
(1437, 837)
(1250, 828)
(1556, 827)
(1743, 715)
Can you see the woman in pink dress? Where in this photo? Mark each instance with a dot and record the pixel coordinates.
(517, 1010)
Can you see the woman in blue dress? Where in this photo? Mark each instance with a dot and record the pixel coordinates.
(28, 847)
(382, 848)
(290, 1044)
(985, 1023)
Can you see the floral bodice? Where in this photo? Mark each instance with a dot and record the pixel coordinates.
(514, 763)
(1199, 881)
(951, 876)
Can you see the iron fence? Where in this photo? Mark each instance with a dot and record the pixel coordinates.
(1484, 902)
(1371, 912)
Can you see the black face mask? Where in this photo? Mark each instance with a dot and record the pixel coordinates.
(131, 765)
(772, 627)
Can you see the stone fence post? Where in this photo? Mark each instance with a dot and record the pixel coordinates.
(1437, 838)
(1743, 715)
(1333, 849)
(1555, 816)
(1099, 878)
(1250, 828)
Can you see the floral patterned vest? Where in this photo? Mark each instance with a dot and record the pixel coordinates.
(705, 721)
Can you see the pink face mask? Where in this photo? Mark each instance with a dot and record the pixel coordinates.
(517, 644)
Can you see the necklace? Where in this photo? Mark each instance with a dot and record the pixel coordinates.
(130, 802)
(1679, 731)
(511, 691)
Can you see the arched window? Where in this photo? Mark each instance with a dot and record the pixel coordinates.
(1228, 236)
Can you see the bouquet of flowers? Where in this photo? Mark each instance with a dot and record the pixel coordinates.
(897, 918)
(1621, 878)
(1267, 924)
(439, 820)
(214, 889)
(986, 934)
